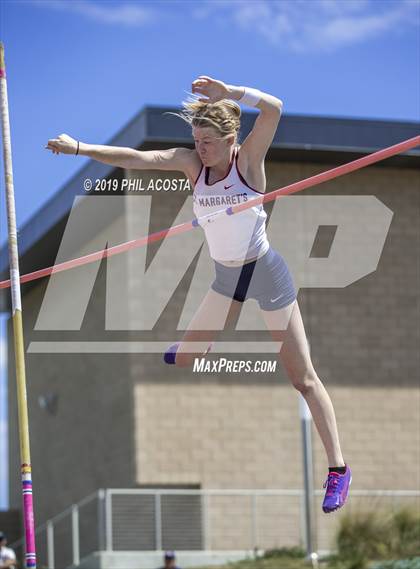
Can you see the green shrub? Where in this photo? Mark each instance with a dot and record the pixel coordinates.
(377, 535)
(413, 563)
(364, 535)
(290, 552)
(355, 562)
(406, 535)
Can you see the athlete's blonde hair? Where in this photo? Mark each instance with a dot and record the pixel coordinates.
(224, 115)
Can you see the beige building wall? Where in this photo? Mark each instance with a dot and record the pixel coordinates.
(127, 420)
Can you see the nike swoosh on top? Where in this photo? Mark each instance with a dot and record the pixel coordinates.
(227, 187)
(274, 299)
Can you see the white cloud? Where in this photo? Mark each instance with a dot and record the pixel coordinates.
(335, 7)
(127, 14)
(305, 26)
(301, 26)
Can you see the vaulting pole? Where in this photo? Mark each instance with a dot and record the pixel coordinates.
(26, 471)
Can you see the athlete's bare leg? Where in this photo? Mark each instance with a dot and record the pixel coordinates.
(295, 357)
(213, 315)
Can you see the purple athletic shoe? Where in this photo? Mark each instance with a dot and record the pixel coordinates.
(170, 354)
(337, 490)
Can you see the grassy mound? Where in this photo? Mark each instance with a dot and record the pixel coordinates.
(364, 540)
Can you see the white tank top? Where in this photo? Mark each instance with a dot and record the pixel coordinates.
(236, 237)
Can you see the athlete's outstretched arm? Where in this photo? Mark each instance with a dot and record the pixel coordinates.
(260, 138)
(121, 157)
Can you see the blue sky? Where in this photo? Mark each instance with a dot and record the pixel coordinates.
(86, 67)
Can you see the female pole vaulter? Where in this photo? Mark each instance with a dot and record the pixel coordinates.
(224, 173)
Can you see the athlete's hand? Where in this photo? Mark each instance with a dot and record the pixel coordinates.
(212, 89)
(63, 143)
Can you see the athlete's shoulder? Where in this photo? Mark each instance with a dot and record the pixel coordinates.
(184, 159)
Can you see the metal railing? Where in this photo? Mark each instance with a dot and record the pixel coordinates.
(202, 520)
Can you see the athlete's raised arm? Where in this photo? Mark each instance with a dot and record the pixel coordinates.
(172, 159)
(258, 141)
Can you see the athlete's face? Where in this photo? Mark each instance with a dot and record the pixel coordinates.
(211, 147)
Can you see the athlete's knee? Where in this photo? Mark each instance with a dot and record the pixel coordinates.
(304, 381)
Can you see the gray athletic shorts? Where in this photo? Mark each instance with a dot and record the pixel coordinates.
(267, 280)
